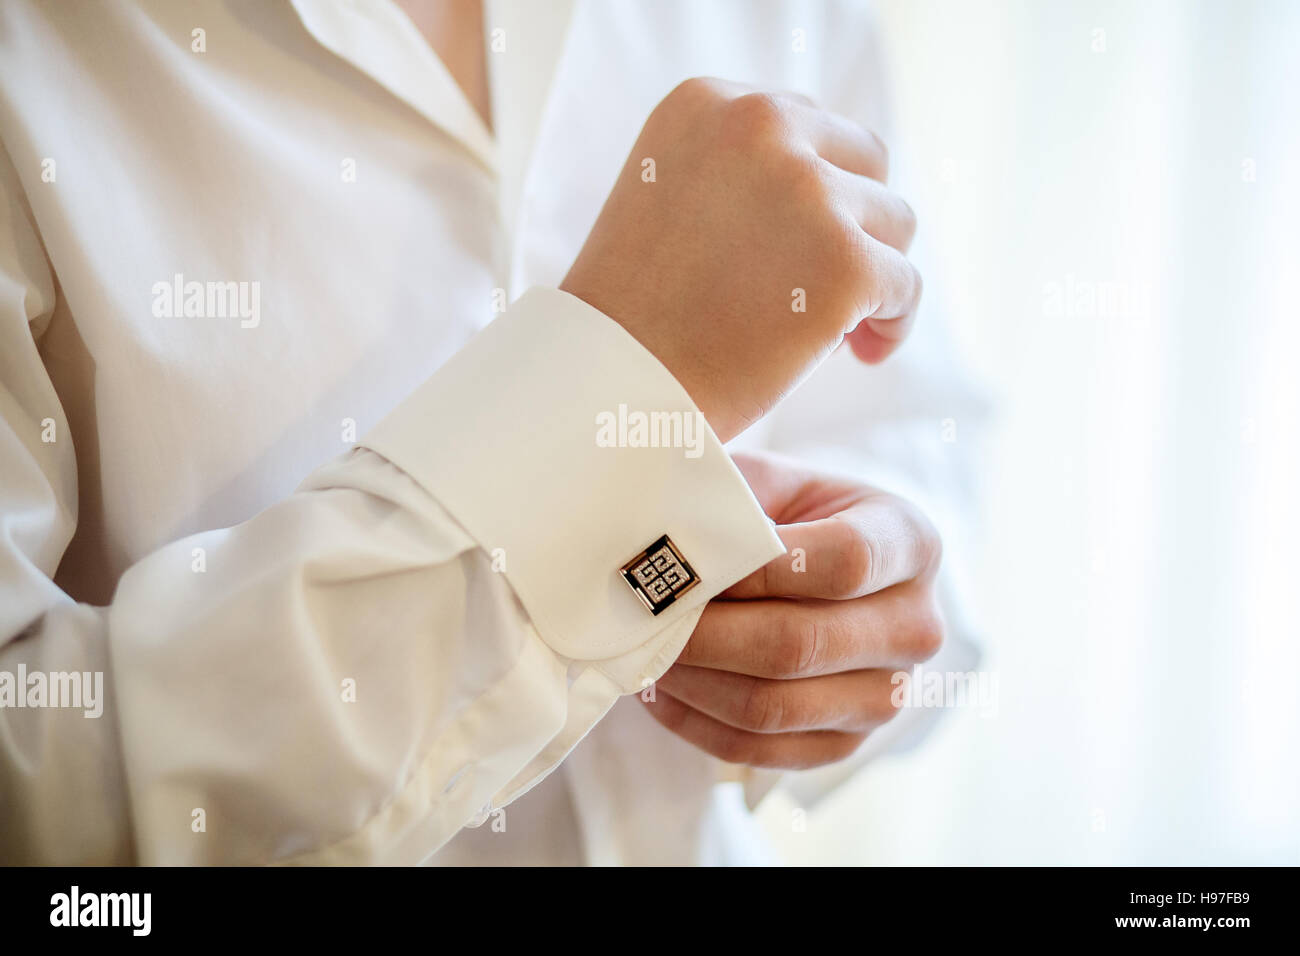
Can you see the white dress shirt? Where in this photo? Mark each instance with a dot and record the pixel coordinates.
(330, 517)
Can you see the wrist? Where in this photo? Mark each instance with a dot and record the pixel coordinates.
(658, 340)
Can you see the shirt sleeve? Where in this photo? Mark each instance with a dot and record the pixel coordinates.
(410, 640)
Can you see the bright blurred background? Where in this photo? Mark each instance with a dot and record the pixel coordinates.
(1111, 194)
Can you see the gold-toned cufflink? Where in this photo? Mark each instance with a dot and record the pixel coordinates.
(660, 575)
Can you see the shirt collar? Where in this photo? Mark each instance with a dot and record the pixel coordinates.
(379, 39)
(521, 75)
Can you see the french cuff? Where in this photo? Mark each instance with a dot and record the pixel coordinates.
(583, 468)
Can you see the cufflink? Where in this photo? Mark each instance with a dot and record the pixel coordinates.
(659, 575)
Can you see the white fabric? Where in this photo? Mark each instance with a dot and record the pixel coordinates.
(321, 151)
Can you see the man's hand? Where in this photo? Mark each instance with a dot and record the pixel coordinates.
(792, 666)
(764, 236)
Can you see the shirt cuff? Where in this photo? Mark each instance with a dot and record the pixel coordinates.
(566, 449)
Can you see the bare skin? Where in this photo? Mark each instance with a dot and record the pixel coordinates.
(454, 28)
(792, 667)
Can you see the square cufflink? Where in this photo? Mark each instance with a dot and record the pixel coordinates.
(660, 575)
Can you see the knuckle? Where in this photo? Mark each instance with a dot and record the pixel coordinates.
(756, 116)
(687, 103)
(925, 637)
(804, 181)
(854, 562)
(692, 91)
(763, 710)
(800, 646)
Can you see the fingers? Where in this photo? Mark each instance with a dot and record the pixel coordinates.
(861, 160)
(881, 212)
(888, 286)
(792, 751)
(882, 287)
(845, 144)
(835, 138)
(778, 482)
(853, 701)
(784, 640)
(874, 340)
(873, 545)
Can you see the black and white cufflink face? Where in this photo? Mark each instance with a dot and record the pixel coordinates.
(659, 575)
